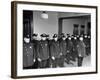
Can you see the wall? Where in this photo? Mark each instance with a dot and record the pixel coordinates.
(70, 14)
(68, 24)
(48, 26)
(5, 41)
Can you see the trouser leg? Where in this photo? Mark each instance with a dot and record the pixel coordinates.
(35, 65)
(61, 61)
(48, 63)
(80, 60)
(54, 63)
(42, 64)
(68, 58)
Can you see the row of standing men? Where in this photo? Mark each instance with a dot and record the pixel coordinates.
(46, 53)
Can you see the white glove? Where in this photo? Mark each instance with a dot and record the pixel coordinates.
(68, 51)
(60, 53)
(53, 57)
(39, 59)
(79, 55)
(34, 60)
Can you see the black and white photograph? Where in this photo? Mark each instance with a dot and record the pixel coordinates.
(56, 39)
(53, 39)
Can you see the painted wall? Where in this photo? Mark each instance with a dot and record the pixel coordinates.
(48, 26)
(68, 25)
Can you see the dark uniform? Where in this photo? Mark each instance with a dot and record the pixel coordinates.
(55, 52)
(75, 53)
(43, 53)
(28, 56)
(86, 43)
(49, 41)
(69, 50)
(35, 42)
(63, 51)
(81, 52)
(89, 45)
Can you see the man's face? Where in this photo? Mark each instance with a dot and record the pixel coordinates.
(63, 38)
(43, 38)
(66, 36)
(75, 38)
(34, 37)
(77, 35)
(69, 38)
(55, 39)
(27, 40)
(81, 38)
(88, 36)
(85, 36)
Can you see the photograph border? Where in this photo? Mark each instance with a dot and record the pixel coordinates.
(14, 38)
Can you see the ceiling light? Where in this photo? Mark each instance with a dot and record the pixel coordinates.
(44, 15)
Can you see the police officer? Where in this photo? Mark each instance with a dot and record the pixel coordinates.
(63, 50)
(55, 51)
(47, 37)
(77, 37)
(28, 55)
(74, 53)
(69, 50)
(85, 40)
(43, 52)
(35, 42)
(81, 51)
(89, 45)
(49, 41)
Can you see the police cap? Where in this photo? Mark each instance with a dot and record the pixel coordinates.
(34, 34)
(43, 35)
(55, 35)
(62, 35)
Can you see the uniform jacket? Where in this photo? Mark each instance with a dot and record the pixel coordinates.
(28, 54)
(43, 50)
(81, 49)
(35, 42)
(69, 46)
(75, 42)
(63, 47)
(86, 42)
(55, 49)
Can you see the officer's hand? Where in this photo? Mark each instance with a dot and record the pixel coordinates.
(53, 57)
(67, 51)
(79, 55)
(60, 53)
(39, 59)
(34, 60)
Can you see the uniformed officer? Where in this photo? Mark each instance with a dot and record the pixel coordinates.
(47, 37)
(77, 37)
(69, 50)
(43, 52)
(85, 40)
(89, 45)
(74, 53)
(67, 35)
(55, 51)
(35, 42)
(28, 55)
(49, 41)
(63, 50)
(81, 51)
